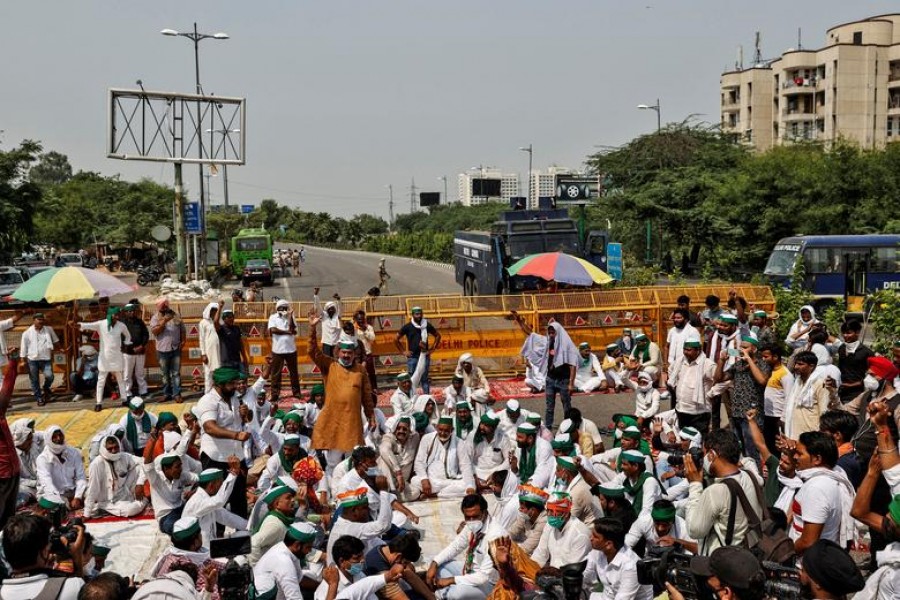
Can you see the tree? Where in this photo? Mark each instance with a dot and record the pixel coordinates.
(52, 169)
(19, 198)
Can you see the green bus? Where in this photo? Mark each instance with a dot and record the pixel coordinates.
(247, 244)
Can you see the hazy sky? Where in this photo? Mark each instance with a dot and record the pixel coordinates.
(345, 97)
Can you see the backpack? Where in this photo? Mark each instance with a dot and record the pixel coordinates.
(772, 544)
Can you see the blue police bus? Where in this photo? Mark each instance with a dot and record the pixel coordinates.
(848, 267)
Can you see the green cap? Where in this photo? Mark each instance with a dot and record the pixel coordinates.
(347, 346)
(728, 318)
(632, 433)
(48, 504)
(421, 420)
(566, 463)
(445, 421)
(165, 418)
(209, 475)
(488, 419)
(663, 514)
(609, 489)
(317, 390)
(894, 509)
(403, 377)
(167, 460)
(633, 456)
(185, 528)
(302, 532)
(276, 492)
(291, 439)
(584, 346)
(416, 309)
(759, 314)
(100, 550)
(224, 375)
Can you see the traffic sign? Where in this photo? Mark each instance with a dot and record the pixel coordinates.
(385, 323)
(196, 372)
(257, 371)
(608, 320)
(254, 331)
(316, 370)
(193, 331)
(246, 209)
(193, 221)
(386, 361)
(580, 321)
(614, 260)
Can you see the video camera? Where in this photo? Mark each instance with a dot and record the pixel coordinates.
(676, 457)
(235, 578)
(782, 582)
(566, 586)
(671, 564)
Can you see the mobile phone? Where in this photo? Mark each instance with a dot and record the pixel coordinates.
(734, 352)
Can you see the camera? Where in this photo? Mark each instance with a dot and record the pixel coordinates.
(565, 586)
(676, 457)
(782, 582)
(235, 578)
(671, 564)
(60, 532)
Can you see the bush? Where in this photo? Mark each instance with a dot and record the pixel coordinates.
(885, 319)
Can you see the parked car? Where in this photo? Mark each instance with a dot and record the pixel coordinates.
(257, 269)
(10, 280)
(71, 259)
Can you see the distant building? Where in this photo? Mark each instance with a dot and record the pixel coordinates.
(543, 183)
(508, 186)
(849, 89)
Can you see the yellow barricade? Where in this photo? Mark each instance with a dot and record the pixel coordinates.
(479, 325)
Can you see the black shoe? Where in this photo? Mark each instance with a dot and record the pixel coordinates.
(41, 402)
(98, 407)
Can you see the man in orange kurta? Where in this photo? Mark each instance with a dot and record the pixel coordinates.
(339, 427)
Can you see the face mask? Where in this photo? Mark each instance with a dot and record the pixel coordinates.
(556, 522)
(56, 448)
(645, 388)
(90, 569)
(474, 526)
(345, 363)
(618, 433)
(707, 464)
(561, 483)
(356, 569)
(871, 383)
(373, 472)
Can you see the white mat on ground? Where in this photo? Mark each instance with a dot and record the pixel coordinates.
(135, 545)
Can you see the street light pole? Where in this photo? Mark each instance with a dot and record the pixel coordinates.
(224, 132)
(530, 150)
(196, 37)
(658, 113)
(655, 107)
(390, 188)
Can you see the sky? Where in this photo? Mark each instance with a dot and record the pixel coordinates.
(345, 97)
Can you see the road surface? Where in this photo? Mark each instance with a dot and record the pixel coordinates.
(351, 273)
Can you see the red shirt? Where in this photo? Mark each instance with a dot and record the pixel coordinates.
(9, 458)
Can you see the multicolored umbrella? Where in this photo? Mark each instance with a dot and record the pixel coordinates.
(70, 283)
(561, 268)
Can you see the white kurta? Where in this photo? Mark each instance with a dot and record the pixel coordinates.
(560, 547)
(589, 373)
(112, 339)
(439, 464)
(61, 475)
(643, 529)
(111, 486)
(279, 568)
(545, 464)
(166, 495)
(401, 403)
(482, 459)
(618, 576)
(210, 510)
(369, 533)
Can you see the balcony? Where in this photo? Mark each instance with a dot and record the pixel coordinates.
(799, 114)
(799, 85)
(894, 104)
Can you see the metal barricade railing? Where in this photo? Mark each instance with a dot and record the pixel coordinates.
(479, 325)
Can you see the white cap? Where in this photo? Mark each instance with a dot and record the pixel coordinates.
(513, 405)
(565, 426)
(282, 302)
(136, 403)
(88, 350)
(170, 440)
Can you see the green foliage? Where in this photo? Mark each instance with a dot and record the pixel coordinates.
(52, 169)
(885, 319)
(447, 218)
(91, 208)
(833, 316)
(19, 198)
(636, 276)
(723, 207)
(789, 300)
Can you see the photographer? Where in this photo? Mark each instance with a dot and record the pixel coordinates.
(708, 509)
(730, 572)
(26, 545)
(829, 573)
(612, 565)
(169, 332)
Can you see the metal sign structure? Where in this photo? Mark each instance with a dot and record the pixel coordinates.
(193, 220)
(614, 260)
(174, 127)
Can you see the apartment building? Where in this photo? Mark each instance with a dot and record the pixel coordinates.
(507, 186)
(850, 88)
